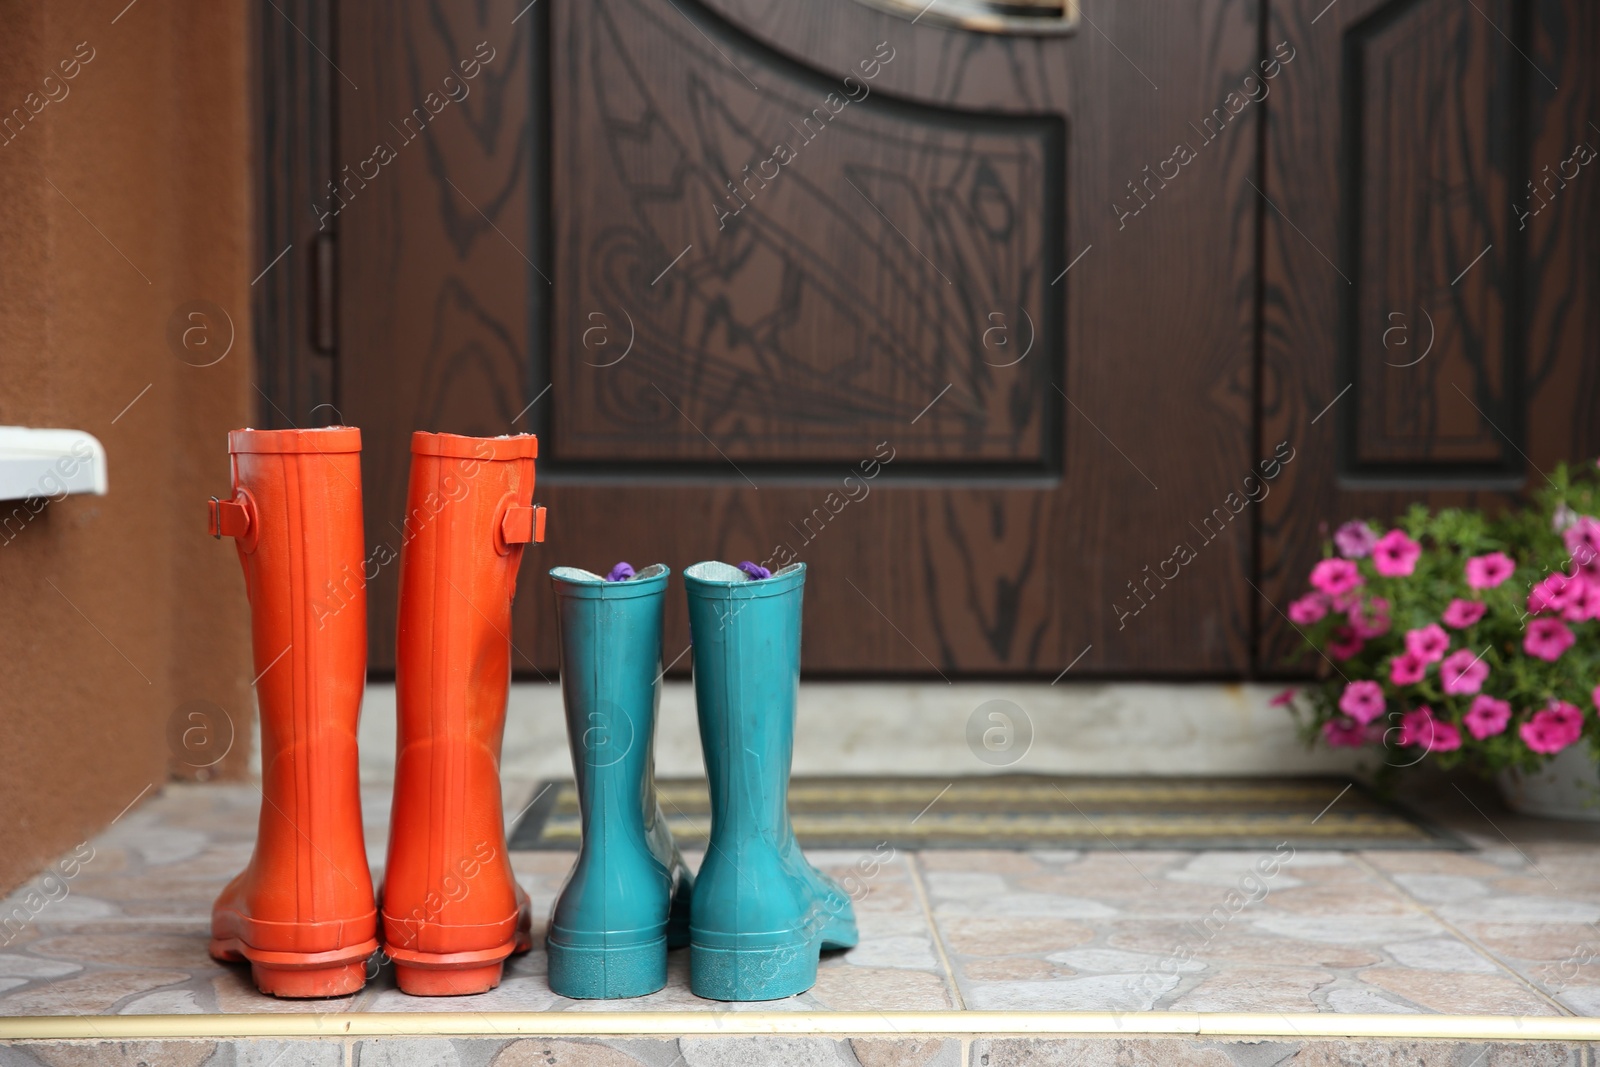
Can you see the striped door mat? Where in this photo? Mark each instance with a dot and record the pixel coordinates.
(1021, 811)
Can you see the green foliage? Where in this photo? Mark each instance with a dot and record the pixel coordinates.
(1532, 537)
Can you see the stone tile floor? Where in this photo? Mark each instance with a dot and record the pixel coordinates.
(1508, 928)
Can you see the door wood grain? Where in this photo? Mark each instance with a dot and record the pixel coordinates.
(1086, 504)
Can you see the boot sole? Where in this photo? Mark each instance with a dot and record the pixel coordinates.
(301, 975)
(744, 974)
(583, 973)
(453, 974)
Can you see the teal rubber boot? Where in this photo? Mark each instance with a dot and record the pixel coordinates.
(627, 899)
(761, 913)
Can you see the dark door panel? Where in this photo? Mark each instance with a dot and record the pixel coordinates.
(789, 275)
(1429, 326)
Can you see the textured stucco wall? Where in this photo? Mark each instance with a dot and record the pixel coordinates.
(124, 193)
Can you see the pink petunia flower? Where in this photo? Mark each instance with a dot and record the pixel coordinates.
(1427, 643)
(1463, 613)
(1446, 738)
(1419, 727)
(1488, 571)
(1582, 530)
(1553, 729)
(1355, 539)
(1487, 716)
(1583, 543)
(1547, 639)
(1342, 733)
(1308, 609)
(1555, 593)
(1371, 619)
(1463, 672)
(1362, 701)
(1283, 699)
(1344, 643)
(1407, 669)
(1346, 600)
(1395, 555)
(1335, 576)
(1585, 605)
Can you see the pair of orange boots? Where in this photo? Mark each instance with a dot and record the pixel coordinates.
(304, 912)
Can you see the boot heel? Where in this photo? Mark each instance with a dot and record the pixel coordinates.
(448, 981)
(584, 973)
(339, 980)
(752, 973)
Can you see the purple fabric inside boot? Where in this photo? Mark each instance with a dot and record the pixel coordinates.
(620, 573)
(755, 570)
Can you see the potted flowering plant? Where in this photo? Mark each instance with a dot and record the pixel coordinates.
(1466, 638)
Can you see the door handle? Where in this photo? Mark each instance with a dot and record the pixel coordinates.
(1021, 17)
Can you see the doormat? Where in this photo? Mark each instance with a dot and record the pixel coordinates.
(1023, 811)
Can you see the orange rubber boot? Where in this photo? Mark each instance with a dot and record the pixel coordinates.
(452, 910)
(302, 912)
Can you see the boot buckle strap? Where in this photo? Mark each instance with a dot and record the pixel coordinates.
(228, 518)
(523, 525)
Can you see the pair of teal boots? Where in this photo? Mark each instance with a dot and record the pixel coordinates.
(758, 915)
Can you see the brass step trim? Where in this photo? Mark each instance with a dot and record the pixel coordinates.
(741, 1022)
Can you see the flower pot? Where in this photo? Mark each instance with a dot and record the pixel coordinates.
(1566, 787)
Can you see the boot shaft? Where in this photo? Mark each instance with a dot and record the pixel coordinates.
(298, 531)
(746, 683)
(458, 571)
(609, 635)
(468, 515)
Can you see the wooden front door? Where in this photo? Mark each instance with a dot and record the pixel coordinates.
(1002, 335)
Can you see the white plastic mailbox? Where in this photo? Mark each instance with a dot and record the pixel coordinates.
(50, 463)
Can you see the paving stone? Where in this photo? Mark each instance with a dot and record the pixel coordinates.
(542, 1052)
(1359, 1001)
(907, 1052)
(908, 952)
(1443, 888)
(1044, 905)
(1334, 1052)
(1106, 992)
(1459, 994)
(1353, 928)
(876, 989)
(774, 1051)
(1117, 961)
(121, 1054)
(1002, 936)
(1013, 969)
(88, 994)
(1529, 909)
(28, 966)
(1254, 989)
(1440, 954)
